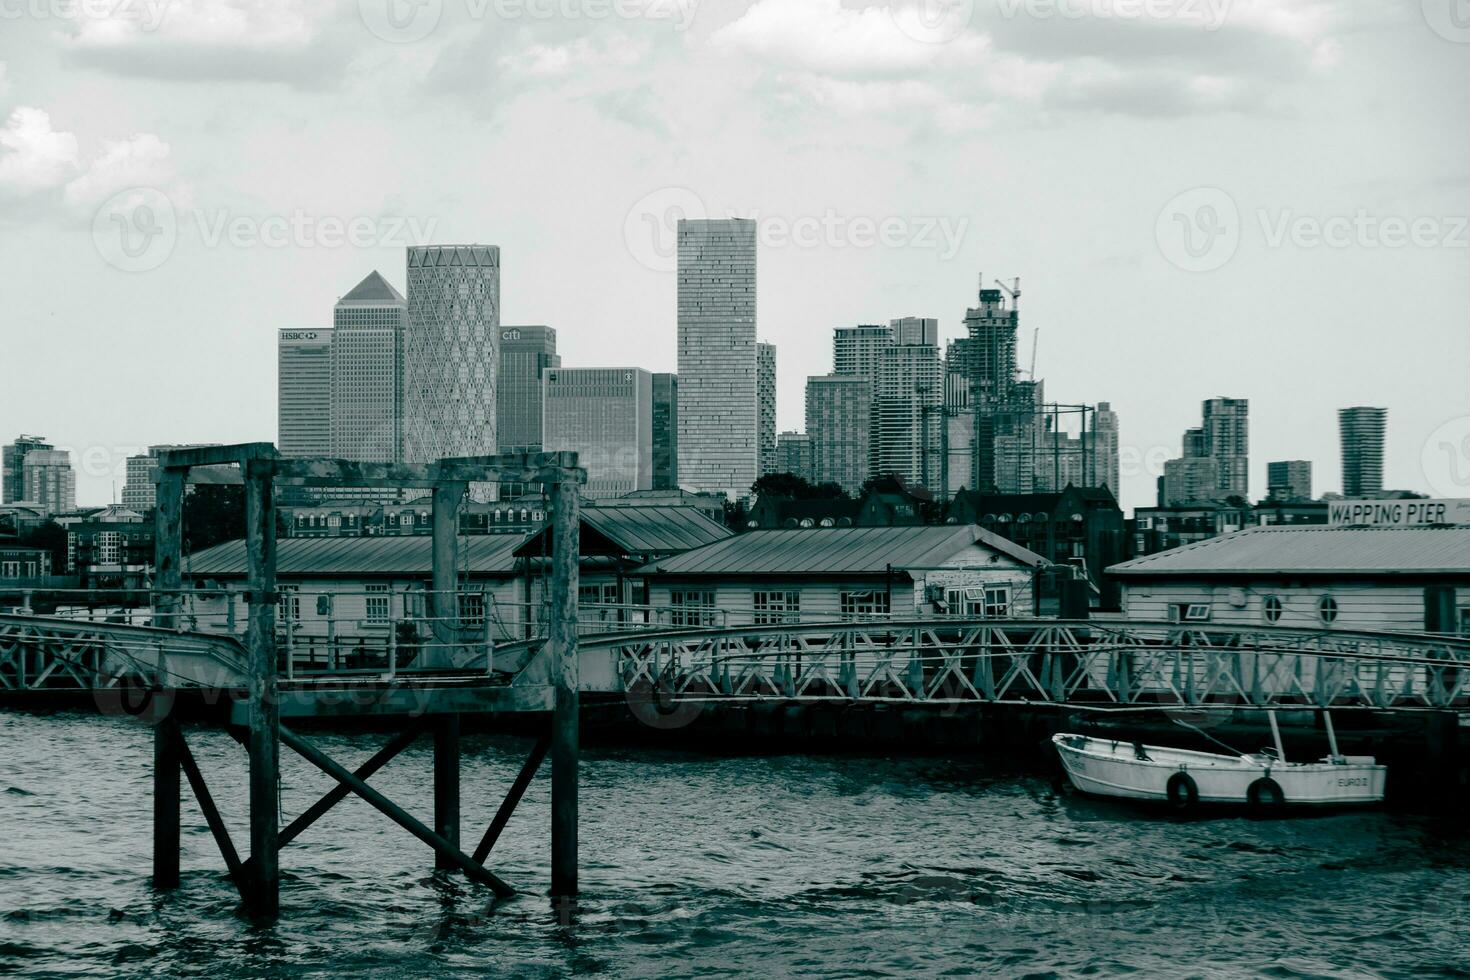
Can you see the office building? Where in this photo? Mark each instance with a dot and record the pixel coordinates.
(915, 331)
(718, 411)
(1289, 480)
(140, 491)
(605, 415)
(794, 454)
(48, 481)
(526, 354)
(991, 329)
(367, 372)
(304, 391)
(857, 350)
(838, 411)
(1106, 467)
(451, 353)
(765, 391)
(665, 431)
(1362, 431)
(1190, 480)
(13, 456)
(1227, 438)
(908, 395)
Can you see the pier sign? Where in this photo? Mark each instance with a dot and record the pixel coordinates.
(1397, 513)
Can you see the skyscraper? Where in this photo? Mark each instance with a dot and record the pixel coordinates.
(857, 350)
(1106, 469)
(367, 372)
(1362, 431)
(908, 408)
(451, 352)
(304, 382)
(1227, 439)
(915, 331)
(526, 354)
(1289, 480)
(794, 454)
(838, 413)
(48, 480)
(665, 431)
(991, 357)
(765, 390)
(718, 413)
(13, 456)
(605, 415)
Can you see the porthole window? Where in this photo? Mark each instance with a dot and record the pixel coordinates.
(1271, 606)
(1327, 610)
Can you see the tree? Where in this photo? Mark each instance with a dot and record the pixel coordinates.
(214, 513)
(52, 537)
(792, 487)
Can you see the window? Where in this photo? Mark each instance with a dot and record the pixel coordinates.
(871, 603)
(692, 608)
(472, 609)
(997, 602)
(1271, 608)
(377, 603)
(602, 593)
(9, 569)
(1465, 621)
(1189, 612)
(1327, 610)
(777, 607)
(288, 606)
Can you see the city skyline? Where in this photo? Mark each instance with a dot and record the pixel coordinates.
(748, 110)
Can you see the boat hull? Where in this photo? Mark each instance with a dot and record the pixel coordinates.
(1104, 767)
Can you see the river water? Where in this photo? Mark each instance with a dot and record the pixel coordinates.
(696, 864)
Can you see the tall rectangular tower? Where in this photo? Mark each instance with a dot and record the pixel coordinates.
(915, 331)
(605, 415)
(367, 372)
(990, 356)
(718, 413)
(765, 392)
(451, 352)
(526, 354)
(48, 479)
(665, 431)
(794, 454)
(838, 413)
(857, 350)
(1289, 480)
(304, 381)
(1106, 468)
(1227, 439)
(908, 415)
(1362, 430)
(13, 456)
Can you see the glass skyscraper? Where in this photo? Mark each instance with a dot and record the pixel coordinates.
(304, 402)
(718, 413)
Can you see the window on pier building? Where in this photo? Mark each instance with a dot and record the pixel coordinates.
(772, 608)
(288, 606)
(377, 603)
(869, 603)
(692, 608)
(472, 610)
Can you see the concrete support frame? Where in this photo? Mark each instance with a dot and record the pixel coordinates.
(263, 468)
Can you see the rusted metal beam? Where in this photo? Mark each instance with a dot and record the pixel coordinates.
(444, 567)
(392, 811)
(211, 813)
(446, 787)
(168, 531)
(510, 467)
(171, 459)
(513, 797)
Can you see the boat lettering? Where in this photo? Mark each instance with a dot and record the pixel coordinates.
(1352, 781)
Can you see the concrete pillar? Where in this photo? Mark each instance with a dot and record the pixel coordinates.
(165, 804)
(168, 529)
(444, 604)
(446, 786)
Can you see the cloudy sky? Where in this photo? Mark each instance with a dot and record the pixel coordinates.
(1257, 198)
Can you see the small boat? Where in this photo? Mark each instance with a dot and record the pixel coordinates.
(1264, 780)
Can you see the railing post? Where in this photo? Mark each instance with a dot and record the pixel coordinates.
(562, 638)
(264, 707)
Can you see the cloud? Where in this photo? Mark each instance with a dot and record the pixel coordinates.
(4, 83)
(33, 156)
(141, 160)
(290, 41)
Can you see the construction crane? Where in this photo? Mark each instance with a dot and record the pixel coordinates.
(1013, 292)
(1035, 339)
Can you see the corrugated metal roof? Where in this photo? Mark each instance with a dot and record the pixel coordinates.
(1315, 550)
(484, 554)
(655, 530)
(842, 550)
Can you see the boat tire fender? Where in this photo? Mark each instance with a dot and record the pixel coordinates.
(1182, 792)
(1265, 797)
